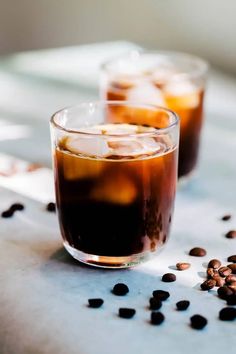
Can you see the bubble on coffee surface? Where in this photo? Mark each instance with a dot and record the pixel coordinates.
(115, 142)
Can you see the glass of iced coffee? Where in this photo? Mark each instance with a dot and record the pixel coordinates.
(115, 182)
(168, 79)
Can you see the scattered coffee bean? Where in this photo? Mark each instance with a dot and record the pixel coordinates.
(197, 252)
(211, 273)
(208, 284)
(224, 292)
(198, 322)
(226, 217)
(231, 234)
(155, 304)
(231, 300)
(157, 318)
(51, 207)
(95, 303)
(120, 289)
(232, 258)
(214, 263)
(16, 206)
(168, 277)
(7, 213)
(232, 266)
(224, 271)
(232, 286)
(219, 281)
(161, 294)
(227, 314)
(125, 312)
(183, 266)
(230, 278)
(182, 305)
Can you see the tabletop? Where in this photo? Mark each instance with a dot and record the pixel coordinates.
(44, 292)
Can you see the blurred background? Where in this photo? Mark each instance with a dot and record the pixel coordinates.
(204, 27)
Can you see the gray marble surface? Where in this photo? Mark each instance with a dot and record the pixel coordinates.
(44, 292)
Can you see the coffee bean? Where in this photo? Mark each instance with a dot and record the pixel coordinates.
(232, 286)
(183, 266)
(182, 305)
(230, 278)
(211, 273)
(157, 318)
(227, 314)
(155, 304)
(95, 303)
(224, 292)
(231, 300)
(198, 322)
(231, 234)
(169, 277)
(226, 217)
(197, 252)
(232, 266)
(120, 289)
(208, 284)
(17, 206)
(232, 258)
(51, 207)
(214, 263)
(219, 281)
(125, 312)
(7, 213)
(224, 271)
(161, 295)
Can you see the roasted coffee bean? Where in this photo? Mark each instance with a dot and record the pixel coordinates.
(198, 322)
(230, 278)
(125, 312)
(51, 207)
(168, 277)
(227, 314)
(120, 289)
(232, 286)
(219, 281)
(95, 303)
(182, 266)
(231, 300)
(155, 304)
(197, 252)
(214, 263)
(211, 273)
(224, 271)
(16, 206)
(232, 258)
(226, 217)
(224, 292)
(232, 266)
(7, 213)
(231, 234)
(157, 318)
(182, 305)
(161, 294)
(208, 284)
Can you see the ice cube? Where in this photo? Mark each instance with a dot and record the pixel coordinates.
(184, 93)
(135, 147)
(90, 146)
(147, 93)
(118, 189)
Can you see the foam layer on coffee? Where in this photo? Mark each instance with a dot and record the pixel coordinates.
(115, 141)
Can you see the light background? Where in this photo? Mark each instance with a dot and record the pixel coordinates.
(204, 27)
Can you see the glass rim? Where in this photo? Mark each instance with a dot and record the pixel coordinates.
(157, 131)
(202, 69)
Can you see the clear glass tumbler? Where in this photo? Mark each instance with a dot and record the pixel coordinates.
(115, 182)
(168, 79)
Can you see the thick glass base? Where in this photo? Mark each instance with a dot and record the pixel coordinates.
(109, 262)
